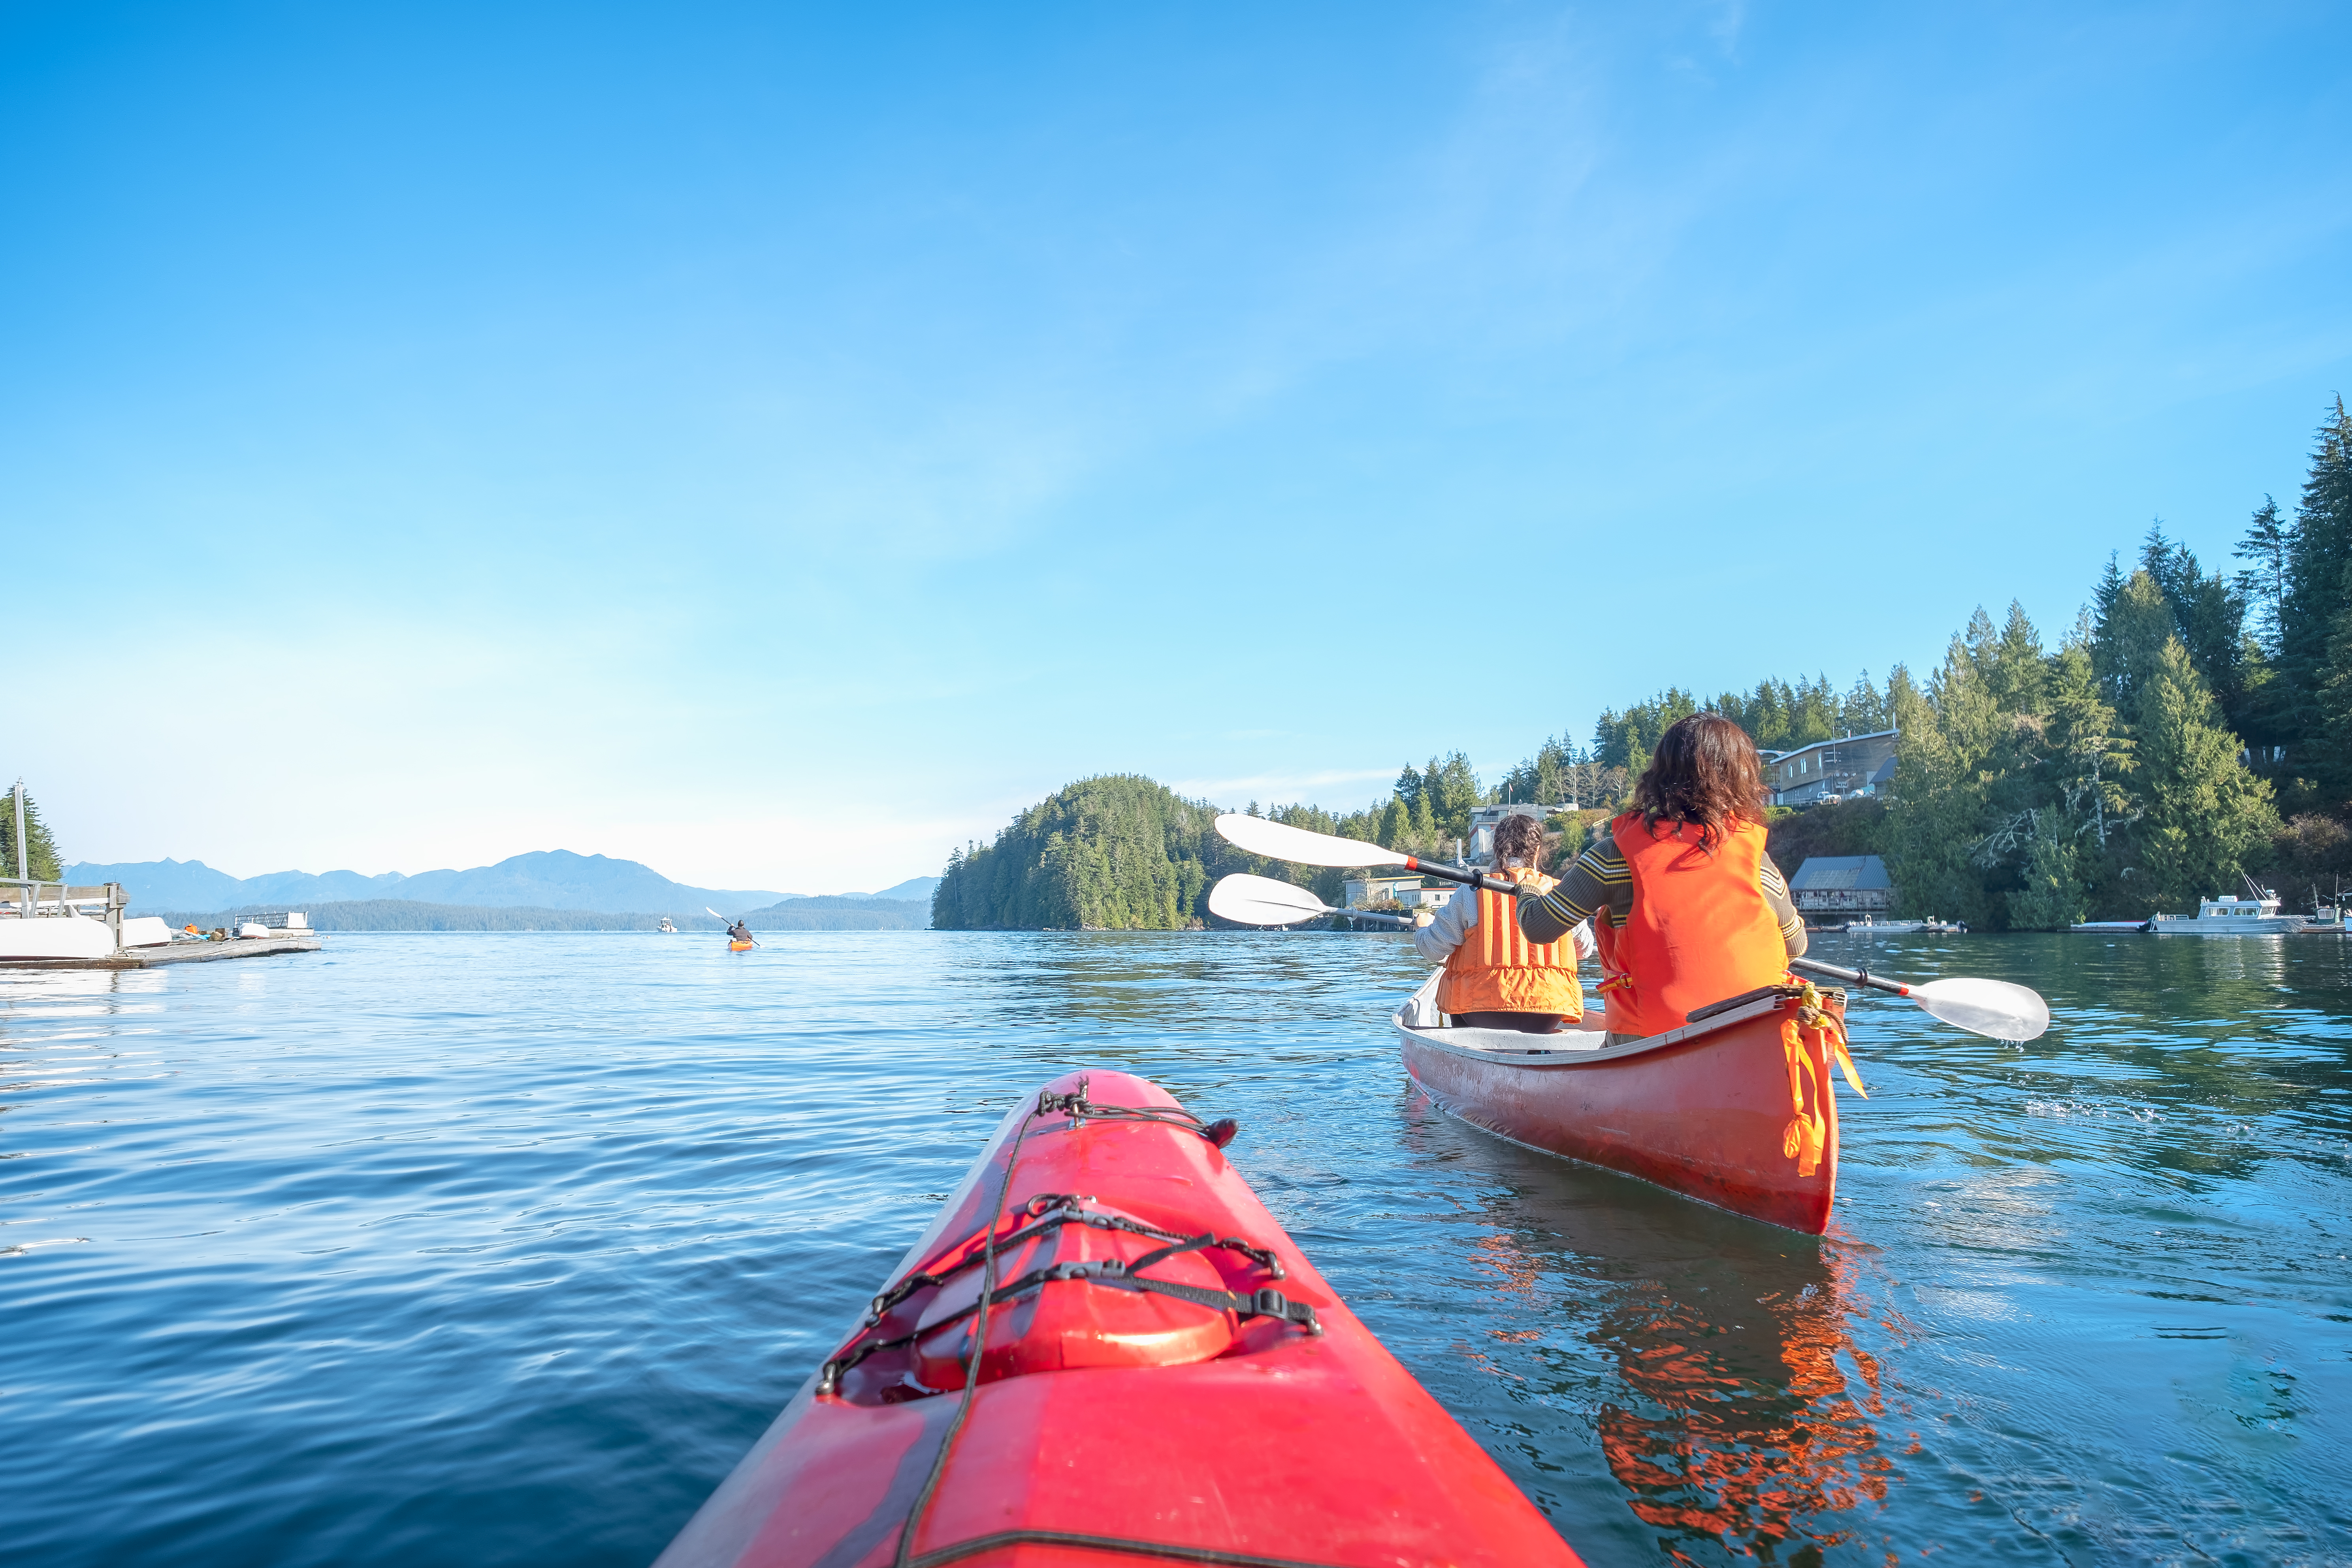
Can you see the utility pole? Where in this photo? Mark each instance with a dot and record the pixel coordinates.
(24, 849)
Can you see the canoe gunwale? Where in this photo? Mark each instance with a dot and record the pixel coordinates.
(1576, 1056)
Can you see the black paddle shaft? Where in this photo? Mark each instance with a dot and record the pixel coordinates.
(1850, 976)
(1463, 875)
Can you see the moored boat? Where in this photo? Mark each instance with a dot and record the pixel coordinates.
(1160, 1376)
(2230, 916)
(1734, 1108)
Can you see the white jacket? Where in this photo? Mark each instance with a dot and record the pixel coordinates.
(1436, 940)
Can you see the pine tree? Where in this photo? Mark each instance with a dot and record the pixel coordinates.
(2091, 762)
(2205, 819)
(2053, 895)
(2269, 541)
(2333, 700)
(2209, 613)
(2132, 631)
(46, 866)
(2317, 557)
(1939, 789)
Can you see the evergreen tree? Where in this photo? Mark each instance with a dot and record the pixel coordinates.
(46, 866)
(1939, 794)
(2091, 763)
(1452, 792)
(2316, 556)
(2269, 541)
(2204, 818)
(2131, 633)
(2208, 614)
(2012, 664)
(1864, 710)
(2332, 702)
(2053, 895)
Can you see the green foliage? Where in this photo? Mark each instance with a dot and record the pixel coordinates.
(2023, 797)
(46, 865)
(1846, 828)
(2294, 589)
(2331, 698)
(2206, 818)
(2051, 896)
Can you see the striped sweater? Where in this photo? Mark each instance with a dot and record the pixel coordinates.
(1599, 885)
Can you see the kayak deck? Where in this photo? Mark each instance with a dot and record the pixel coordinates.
(1205, 1400)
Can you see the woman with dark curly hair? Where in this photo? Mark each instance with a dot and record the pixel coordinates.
(1686, 907)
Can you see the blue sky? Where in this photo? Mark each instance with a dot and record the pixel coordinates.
(778, 443)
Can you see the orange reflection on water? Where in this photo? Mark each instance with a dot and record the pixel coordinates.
(1747, 1432)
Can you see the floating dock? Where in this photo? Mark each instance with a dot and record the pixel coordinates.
(177, 953)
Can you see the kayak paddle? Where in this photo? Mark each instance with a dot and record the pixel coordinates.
(1263, 901)
(1991, 1007)
(722, 920)
(1279, 841)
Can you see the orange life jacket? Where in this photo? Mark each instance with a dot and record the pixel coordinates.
(1699, 931)
(1498, 970)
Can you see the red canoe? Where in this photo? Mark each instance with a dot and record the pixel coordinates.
(1734, 1108)
(1165, 1378)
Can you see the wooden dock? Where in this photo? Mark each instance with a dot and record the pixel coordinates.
(178, 952)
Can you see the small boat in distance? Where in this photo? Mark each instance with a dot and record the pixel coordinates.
(667, 926)
(1931, 926)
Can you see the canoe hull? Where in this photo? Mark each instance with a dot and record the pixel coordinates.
(1703, 1110)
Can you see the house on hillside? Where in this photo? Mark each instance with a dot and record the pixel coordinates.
(1411, 890)
(1833, 770)
(1843, 885)
(1487, 818)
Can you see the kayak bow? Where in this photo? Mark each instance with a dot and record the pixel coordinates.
(1104, 1349)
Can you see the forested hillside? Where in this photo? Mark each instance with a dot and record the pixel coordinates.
(1118, 853)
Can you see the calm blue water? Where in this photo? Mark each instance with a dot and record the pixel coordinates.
(501, 1248)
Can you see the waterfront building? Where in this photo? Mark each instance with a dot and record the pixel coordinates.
(1833, 770)
(1841, 884)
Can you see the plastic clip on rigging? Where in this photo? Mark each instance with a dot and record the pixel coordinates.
(1075, 1104)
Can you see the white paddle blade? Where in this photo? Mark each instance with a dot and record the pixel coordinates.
(1277, 842)
(1263, 901)
(1993, 1007)
(713, 913)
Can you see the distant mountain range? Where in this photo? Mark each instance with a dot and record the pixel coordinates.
(819, 914)
(546, 878)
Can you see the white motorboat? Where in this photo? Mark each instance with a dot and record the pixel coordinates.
(2230, 915)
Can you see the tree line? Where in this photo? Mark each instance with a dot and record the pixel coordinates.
(2191, 727)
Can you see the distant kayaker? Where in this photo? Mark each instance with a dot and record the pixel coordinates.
(739, 931)
(1494, 977)
(1686, 906)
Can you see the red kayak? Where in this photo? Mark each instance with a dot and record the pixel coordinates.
(1734, 1108)
(1161, 1378)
